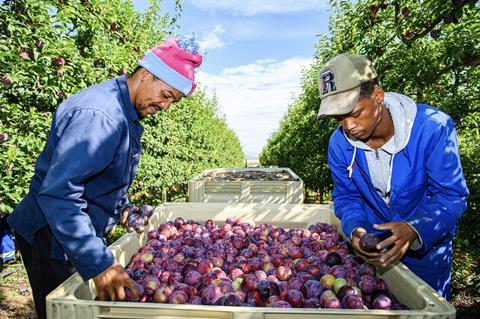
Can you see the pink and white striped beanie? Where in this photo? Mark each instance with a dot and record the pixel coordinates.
(174, 62)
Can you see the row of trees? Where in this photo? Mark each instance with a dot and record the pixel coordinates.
(428, 50)
(50, 50)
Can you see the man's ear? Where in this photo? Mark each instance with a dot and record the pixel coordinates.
(144, 75)
(378, 94)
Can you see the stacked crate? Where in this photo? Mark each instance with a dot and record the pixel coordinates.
(246, 185)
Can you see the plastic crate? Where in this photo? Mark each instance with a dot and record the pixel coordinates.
(74, 299)
(266, 192)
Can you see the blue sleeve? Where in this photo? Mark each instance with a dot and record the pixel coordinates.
(438, 216)
(348, 204)
(124, 202)
(86, 144)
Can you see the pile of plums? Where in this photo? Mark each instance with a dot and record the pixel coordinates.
(237, 264)
(252, 175)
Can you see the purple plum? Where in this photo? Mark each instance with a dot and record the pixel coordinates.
(313, 289)
(178, 297)
(352, 301)
(369, 242)
(146, 211)
(382, 302)
(333, 259)
(367, 284)
(268, 288)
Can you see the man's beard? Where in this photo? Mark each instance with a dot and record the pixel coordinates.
(139, 114)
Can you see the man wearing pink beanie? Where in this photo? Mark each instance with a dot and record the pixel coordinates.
(79, 189)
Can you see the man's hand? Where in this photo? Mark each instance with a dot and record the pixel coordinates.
(128, 219)
(403, 236)
(356, 235)
(112, 282)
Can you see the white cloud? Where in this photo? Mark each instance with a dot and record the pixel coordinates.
(259, 29)
(211, 40)
(253, 7)
(254, 97)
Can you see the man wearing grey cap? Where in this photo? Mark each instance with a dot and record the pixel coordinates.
(396, 170)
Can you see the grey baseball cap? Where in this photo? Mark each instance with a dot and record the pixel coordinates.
(339, 83)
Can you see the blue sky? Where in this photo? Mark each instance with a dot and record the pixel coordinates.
(254, 51)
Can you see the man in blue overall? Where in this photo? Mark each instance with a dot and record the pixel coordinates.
(86, 168)
(396, 171)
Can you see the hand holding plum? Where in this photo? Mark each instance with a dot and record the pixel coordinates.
(363, 245)
(134, 218)
(403, 236)
(112, 282)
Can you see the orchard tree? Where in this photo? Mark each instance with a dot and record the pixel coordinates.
(180, 143)
(50, 50)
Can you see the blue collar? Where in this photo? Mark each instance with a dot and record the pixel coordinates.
(127, 103)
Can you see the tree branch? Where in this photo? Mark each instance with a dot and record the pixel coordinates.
(427, 27)
(465, 62)
(397, 25)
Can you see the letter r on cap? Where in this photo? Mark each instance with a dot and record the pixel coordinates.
(328, 82)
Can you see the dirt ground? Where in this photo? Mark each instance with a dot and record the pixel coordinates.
(467, 304)
(16, 298)
(15, 294)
